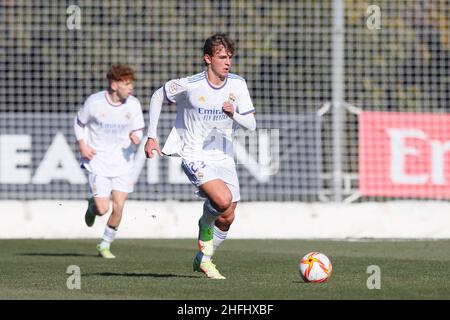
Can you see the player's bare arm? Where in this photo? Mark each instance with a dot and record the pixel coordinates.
(134, 138)
(85, 151)
(150, 145)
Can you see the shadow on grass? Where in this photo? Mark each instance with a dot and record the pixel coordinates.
(152, 275)
(48, 254)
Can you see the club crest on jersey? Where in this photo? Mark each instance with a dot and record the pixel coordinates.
(201, 99)
(231, 97)
(128, 115)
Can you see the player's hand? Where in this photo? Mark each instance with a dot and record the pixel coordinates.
(151, 145)
(228, 108)
(86, 151)
(134, 138)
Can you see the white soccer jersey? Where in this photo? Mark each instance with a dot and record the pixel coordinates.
(206, 131)
(107, 129)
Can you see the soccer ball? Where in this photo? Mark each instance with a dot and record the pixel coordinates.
(315, 267)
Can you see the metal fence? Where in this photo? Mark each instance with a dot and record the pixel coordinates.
(297, 57)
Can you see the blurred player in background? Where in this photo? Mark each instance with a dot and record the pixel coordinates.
(108, 127)
(210, 105)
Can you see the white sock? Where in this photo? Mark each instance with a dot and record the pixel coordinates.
(202, 257)
(210, 214)
(108, 237)
(219, 237)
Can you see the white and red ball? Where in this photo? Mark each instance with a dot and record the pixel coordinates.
(315, 267)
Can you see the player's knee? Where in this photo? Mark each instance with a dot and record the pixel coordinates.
(102, 209)
(222, 203)
(117, 209)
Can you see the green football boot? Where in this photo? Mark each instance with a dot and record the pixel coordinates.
(208, 268)
(105, 253)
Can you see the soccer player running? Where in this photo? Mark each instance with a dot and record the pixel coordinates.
(108, 127)
(210, 105)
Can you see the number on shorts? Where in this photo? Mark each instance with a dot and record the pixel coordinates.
(195, 166)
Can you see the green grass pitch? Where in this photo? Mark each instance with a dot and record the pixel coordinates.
(255, 270)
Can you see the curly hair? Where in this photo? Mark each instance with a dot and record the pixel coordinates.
(120, 72)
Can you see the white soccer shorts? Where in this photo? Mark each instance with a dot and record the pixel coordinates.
(102, 186)
(199, 172)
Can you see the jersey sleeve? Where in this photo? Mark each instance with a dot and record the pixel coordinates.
(83, 114)
(138, 120)
(175, 89)
(245, 104)
(81, 120)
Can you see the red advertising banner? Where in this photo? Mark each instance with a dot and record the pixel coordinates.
(404, 155)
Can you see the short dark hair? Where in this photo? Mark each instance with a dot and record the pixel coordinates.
(216, 41)
(120, 72)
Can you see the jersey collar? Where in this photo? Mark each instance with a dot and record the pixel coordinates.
(215, 88)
